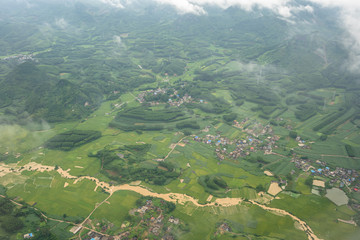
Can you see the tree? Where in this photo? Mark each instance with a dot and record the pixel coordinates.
(289, 176)
(260, 188)
(12, 224)
(187, 132)
(44, 233)
(323, 137)
(293, 134)
(309, 181)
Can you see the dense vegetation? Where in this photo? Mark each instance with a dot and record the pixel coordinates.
(145, 118)
(127, 164)
(71, 139)
(24, 219)
(213, 184)
(190, 104)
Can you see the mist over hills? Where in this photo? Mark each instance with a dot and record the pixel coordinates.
(183, 119)
(76, 37)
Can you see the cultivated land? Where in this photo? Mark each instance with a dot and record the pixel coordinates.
(150, 136)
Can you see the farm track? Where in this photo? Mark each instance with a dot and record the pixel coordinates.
(177, 198)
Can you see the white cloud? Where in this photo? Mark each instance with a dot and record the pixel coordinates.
(197, 6)
(350, 19)
(184, 6)
(114, 3)
(61, 23)
(283, 8)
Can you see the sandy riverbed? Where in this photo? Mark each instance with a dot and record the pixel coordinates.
(178, 198)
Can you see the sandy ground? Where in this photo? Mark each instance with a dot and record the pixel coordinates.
(319, 183)
(352, 222)
(79, 167)
(209, 198)
(135, 183)
(274, 188)
(170, 197)
(66, 184)
(182, 144)
(268, 173)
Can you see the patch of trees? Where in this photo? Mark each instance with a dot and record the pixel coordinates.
(12, 224)
(230, 117)
(239, 102)
(309, 181)
(349, 150)
(294, 100)
(267, 100)
(6, 207)
(188, 124)
(260, 188)
(170, 67)
(207, 76)
(132, 173)
(147, 114)
(323, 137)
(144, 118)
(293, 134)
(305, 111)
(71, 139)
(213, 184)
(123, 164)
(283, 110)
(20, 219)
(214, 104)
(44, 97)
(256, 159)
(329, 119)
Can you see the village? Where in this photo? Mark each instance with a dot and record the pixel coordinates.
(341, 176)
(151, 221)
(262, 138)
(163, 95)
(258, 138)
(21, 58)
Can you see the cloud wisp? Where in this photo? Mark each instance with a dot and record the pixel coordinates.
(284, 8)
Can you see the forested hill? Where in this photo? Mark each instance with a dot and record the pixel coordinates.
(28, 92)
(87, 52)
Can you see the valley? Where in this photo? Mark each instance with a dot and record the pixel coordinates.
(151, 124)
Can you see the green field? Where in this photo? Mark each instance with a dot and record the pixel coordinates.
(201, 111)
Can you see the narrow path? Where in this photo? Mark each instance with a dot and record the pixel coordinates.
(173, 148)
(352, 222)
(54, 219)
(326, 155)
(96, 207)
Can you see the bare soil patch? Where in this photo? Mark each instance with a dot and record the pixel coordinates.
(274, 189)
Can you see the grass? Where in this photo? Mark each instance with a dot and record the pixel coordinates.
(203, 221)
(203, 162)
(48, 192)
(282, 167)
(74, 200)
(118, 207)
(320, 214)
(300, 185)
